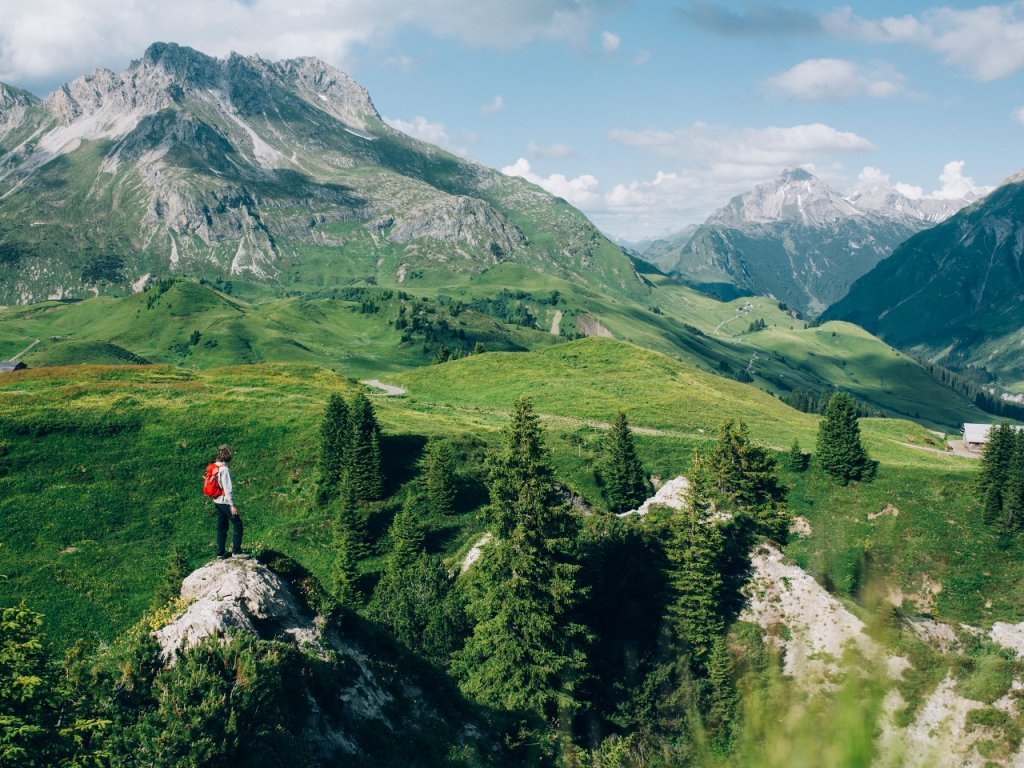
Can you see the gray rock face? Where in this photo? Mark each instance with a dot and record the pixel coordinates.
(234, 595)
(459, 220)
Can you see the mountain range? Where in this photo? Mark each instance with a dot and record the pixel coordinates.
(280, 174)
(797, 239)
(954, 293)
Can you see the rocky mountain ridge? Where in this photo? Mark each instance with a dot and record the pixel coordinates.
(796, 238)
(953, 292)
(276, 172)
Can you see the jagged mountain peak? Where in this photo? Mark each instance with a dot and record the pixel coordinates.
(794, 195)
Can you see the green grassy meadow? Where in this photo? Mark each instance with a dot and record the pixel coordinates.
(100, 471)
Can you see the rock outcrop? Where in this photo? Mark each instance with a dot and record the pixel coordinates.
(236, 595)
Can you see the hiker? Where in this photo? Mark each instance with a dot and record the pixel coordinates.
(227, 512)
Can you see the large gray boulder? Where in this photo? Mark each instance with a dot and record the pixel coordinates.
(236, 595)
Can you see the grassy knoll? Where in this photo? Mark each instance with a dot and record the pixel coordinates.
(100, 468)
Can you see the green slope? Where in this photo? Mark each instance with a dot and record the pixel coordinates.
(100, 467)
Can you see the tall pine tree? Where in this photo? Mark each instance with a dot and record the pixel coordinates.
(524, 651)
(334, 437)
(439, 476)
(363, 458)
(625, 482)
(839, 451)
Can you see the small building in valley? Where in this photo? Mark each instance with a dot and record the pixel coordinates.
(6, 366)
(976, 435)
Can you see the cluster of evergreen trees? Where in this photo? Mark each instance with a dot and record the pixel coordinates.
(1001, 483)
(810, 401)
(976, 386)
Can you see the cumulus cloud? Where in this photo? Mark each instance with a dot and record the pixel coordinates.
(987, 42)
(493, 107)
(836, 80)
(581, 191)
(953, 184)
(956, 186)
(552, 150)
(755, 20)
(610, 42)
(433, 133)
(47, 40)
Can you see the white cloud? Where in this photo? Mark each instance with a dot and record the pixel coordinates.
(552, 150)
(836, 80)
(1018, 115)
(581, 191)
(987, 42)
(751, 147)
(642, 57)
(493, 107)
(610, 42)
(46, 40)
(955, 185)
(433, 133)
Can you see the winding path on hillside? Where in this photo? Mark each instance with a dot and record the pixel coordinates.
(389, 389)
(556, 323)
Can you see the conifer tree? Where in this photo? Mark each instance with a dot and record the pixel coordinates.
(334, 438)
(723, 698)
(996, 461)
(796, 457)
(406, 537)
(693, 552)
(1013, 496)
(839, 450)
(363, 459)
(439, 471)
(624, 479)
(740, 476)
(344, 576)
(523, 653)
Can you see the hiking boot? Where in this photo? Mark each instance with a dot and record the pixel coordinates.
(241, 555)
(223, 556)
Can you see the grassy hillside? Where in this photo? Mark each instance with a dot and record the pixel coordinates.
(100, 470)
(356, 329)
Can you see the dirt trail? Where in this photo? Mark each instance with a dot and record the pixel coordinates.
(25, 350)
(556, 323)
(389, 389)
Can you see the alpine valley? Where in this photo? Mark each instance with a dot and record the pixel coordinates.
(512, 495)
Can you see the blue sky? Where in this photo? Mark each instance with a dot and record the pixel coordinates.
(647, 116)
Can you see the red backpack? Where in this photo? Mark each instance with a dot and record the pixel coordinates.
(211, 481)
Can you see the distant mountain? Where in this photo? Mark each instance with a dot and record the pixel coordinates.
(797, 239)
(281, 173)
(954, 292)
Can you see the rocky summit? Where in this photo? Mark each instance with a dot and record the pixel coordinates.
(282, 173)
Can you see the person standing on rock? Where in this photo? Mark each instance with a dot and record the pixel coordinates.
(227, 512)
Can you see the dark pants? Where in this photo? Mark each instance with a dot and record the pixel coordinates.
(224, 517)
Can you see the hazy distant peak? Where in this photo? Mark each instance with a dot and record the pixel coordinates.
(794, 195)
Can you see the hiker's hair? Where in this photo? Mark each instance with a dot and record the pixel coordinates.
(224, 453)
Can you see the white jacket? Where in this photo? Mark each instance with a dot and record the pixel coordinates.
(224, 478)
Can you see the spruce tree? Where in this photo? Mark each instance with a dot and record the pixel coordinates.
(439, 476)
(334, 438)
(1013, 496)
(997, 459)
(624, 479)
(344, 576)
(406, 537)
(795, 458)
(523, 653)
(722, 697)
(363, 459)
(693, 552)
(839, 450)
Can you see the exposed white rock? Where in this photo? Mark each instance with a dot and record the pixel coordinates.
(675, 494)
(1009, 636)
(474, 553)
(234, 595)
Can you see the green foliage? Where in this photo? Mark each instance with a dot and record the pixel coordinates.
(438, 465)
(26, 705)
(694, 552)
(177, 570)
(795, 459)
(839, 450)
(737, 475)
(348, 545)
(625, 482)
(334, 439)
(363, 459)
(523, 654)
(1001, 480)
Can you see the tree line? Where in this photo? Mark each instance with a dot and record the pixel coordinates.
(1001, 481)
